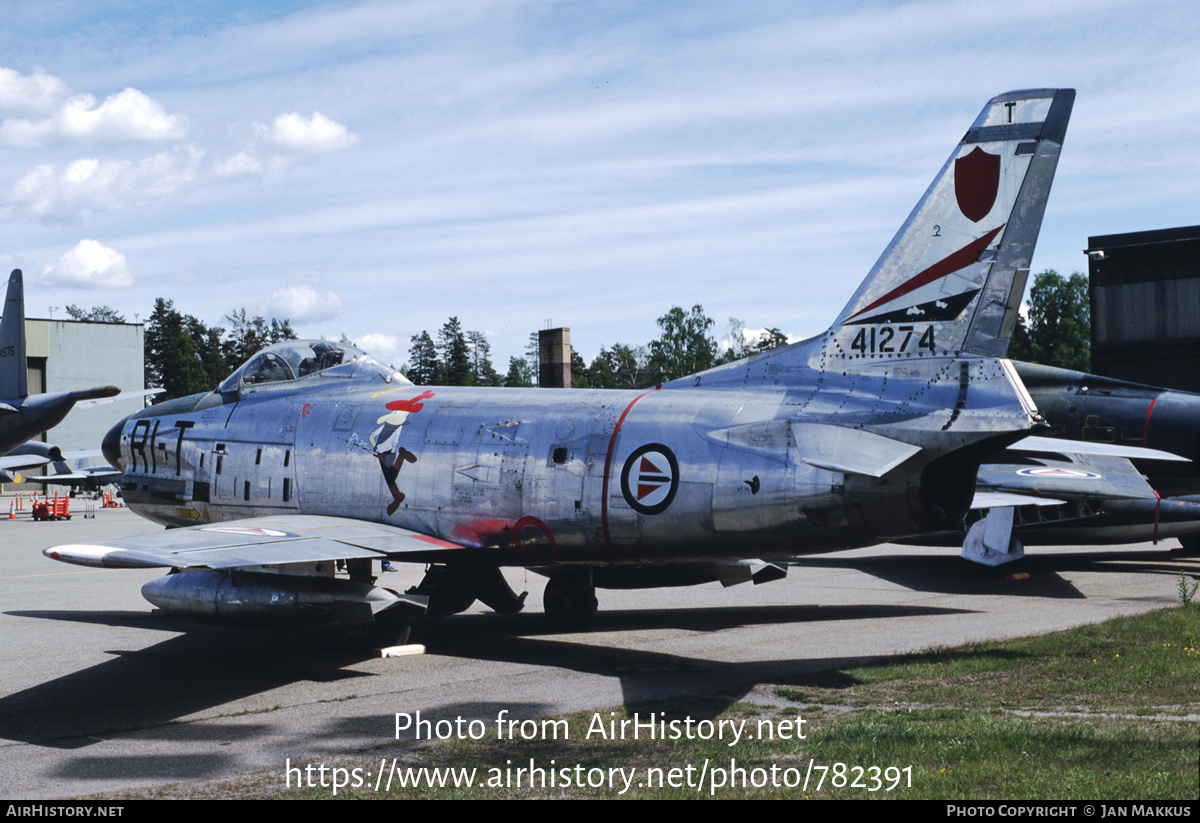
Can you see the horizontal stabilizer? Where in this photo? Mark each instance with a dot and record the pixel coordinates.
(1086, 477)
(1053, 445)
(95, 396)
(106, 398)
(22, 461)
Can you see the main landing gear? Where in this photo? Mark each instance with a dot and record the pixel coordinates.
(570, 599)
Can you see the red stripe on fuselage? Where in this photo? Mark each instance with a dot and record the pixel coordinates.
(1146, 425)
(612, 442)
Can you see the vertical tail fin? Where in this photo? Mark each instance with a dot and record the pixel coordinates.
(14, 369)
(951, 280)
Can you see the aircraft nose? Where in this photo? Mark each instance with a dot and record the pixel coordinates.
(111, 445)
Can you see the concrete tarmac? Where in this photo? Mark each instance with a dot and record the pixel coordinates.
(97, 693)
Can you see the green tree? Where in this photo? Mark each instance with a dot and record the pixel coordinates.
(619, 367)
(773, 338)
(184, 356)
(455, 354)
(171, 361)
(250, 335)
(98, 314)
(579, 371)
(684, 347)
(482, 371)
(206, 341)
(533, 357)
(1059, 330)
(600, 374)
(519, 374)
(423, 361)
(740, 346)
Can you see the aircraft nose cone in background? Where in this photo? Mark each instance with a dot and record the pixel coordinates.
(111, 445)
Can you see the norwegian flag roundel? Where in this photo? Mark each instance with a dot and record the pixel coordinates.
(650, 478)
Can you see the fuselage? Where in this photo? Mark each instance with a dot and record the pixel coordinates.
(696, 469)
(552, 475)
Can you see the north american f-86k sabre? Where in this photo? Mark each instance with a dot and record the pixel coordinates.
(314, 452)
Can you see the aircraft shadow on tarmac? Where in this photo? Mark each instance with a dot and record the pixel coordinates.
(142, 693)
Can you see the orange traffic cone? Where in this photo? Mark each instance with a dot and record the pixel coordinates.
(12, 510)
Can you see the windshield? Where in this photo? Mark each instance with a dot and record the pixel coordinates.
(297, 359)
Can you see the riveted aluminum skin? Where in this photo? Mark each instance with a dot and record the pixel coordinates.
(872, 431)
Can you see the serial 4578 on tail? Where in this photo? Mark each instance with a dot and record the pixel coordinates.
(313, 452)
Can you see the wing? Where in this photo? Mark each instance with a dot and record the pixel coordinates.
(11, 462)
(1081, 477)
(258, 541)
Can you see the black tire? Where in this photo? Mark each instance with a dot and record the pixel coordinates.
(569, 600)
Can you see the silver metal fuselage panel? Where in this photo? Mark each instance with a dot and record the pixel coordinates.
(679, 473)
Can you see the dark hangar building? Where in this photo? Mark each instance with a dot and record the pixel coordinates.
(1145, 302)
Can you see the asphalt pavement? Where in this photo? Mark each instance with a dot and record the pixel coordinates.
(98, 693)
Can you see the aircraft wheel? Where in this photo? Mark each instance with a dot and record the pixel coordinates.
(570, 600)
(1190, 545)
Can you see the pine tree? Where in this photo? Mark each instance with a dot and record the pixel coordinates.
(482, 371)
(423, 364)
(455, 355)
(171, 361)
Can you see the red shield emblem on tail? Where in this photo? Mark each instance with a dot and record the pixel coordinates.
(976, 182)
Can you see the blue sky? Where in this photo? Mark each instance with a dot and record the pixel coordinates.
(370, 169)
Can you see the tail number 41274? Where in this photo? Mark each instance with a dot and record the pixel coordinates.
(889, 339)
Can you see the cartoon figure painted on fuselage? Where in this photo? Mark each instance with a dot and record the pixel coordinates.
(385, 440)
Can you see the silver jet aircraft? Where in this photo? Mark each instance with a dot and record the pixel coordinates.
(313, 452)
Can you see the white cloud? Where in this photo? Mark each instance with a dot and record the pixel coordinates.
(386, 347)
(127, 115)
(90, 265)
(239, 164)
(291, 132)
(303, 303)
(92, 184)
(39, 93)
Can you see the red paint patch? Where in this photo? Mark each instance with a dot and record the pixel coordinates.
(976, 183)
(411, 406)
(436, 541)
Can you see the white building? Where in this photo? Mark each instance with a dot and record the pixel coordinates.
(65, 355)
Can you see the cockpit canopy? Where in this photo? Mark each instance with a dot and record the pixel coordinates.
(300, 359)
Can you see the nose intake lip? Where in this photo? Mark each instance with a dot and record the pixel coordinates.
(111, 446)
